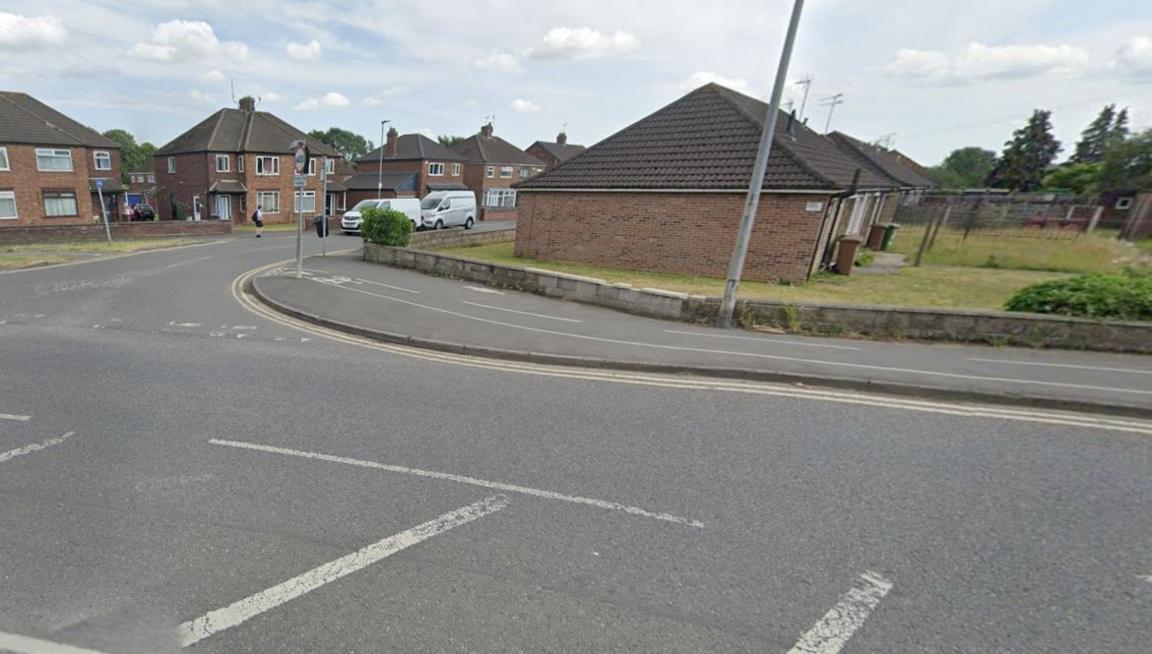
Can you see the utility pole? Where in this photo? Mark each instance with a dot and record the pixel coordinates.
(103, 208)
(324, 207)
(807, 84)
(736, 265)
(380, 173)
(831, 102)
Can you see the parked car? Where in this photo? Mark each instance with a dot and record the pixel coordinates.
(350, 223)
(142, 212)
(442, 209)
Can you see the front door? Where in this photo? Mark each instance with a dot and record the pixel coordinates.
(329, 203)
(224, 207)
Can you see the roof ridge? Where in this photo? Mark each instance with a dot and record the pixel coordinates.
(215, 128)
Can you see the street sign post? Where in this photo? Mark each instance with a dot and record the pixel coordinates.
(324, 207)
(103, 208)
(300, 163)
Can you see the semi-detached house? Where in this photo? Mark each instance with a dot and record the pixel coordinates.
(238, 159)
(492, 165)
(436, 167)
(51, 165)
(554, 153)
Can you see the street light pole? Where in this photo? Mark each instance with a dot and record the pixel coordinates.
(380, 159)
(740, 251)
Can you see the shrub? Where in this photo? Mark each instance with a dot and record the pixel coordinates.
(1125, 296)
(385, 227)
(864, 258)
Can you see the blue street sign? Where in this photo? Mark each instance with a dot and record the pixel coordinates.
(100, 183)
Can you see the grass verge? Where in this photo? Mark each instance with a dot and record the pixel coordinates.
(949, 287)
(278, 227)
(97, 247)
(15, 261)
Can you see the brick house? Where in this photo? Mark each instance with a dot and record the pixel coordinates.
(141, 186)
(437, 167)
(554, 153)
(491, 166)
(235, 160)
(50, 166)
(370, 186)
(667, 193)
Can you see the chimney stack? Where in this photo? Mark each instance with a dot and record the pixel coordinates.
(561, 138)
(486, 130)
(247, 103)
(392, 145)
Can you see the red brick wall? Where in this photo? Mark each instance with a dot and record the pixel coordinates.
(189, 180)
(690, 233)
(95, 232)
(540, 153)
(28, 183)
(421, 170)
(477, 180)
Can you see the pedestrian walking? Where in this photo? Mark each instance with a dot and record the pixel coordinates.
(258, 220)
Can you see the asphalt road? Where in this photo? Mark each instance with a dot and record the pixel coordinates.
(178, 467)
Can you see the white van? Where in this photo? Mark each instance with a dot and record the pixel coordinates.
(441, 209)
(350, 223)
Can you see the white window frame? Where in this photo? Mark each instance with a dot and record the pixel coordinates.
(329, 166)
(261, 196)
(435, 169)
(500, 198)
(10, 195)
(1123, 204)
(262, 166)
(312, 166)
(171, 165)
(300, 198)
(490, 171)
(4, 163)
(239, 163)
(506, 169)
(101, 155)
(455, 170)
(55, 154)
(75, 204)
(227, 163)
(525, 172)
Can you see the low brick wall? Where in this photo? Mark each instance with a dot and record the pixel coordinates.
(448, 238)
(986, 327)
(95, 231)
(493, 214)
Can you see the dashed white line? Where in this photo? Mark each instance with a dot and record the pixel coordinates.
(395, 288)
(764, 339)
(1073, 366)
(12, 416)
(444, 476)
(34, 447)
(829, 635)
(29, 645)
(183, 324)
(245, 328)
(1147, 578)
(181, 263)
(240, 611)
(522, 313)
(481, 289)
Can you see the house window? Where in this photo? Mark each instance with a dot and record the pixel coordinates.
(490, 171)
(312, 166)
(268, 201)
(525, 171)
(329, 166)
(436, 169)
(500, 197)
(8, 205)
(103, 160)
(506, 172)
(151, 178)
(4, 159)
(171, 164)
(222, 163)
(267, 166)
(1123, 203)
(239, 163)
(305, 204)
(53, 160)
(60, 203)
(455, 170)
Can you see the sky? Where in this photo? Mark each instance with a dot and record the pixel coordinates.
(926, 76)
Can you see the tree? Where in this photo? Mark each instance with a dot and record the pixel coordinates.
(133, 156)
(1095, 138)
(451, 141)
(1128, 165)
(1119, 130)
(351, 145)
(1077, 178)
(964, 168)
(1026, 157)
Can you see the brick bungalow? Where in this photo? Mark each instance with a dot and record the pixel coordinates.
(491, 166)
(437, 167)
(666, 193)
(50, 166)
(554, 153)
(236, 160)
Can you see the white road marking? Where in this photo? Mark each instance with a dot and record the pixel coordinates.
(482, 289)
(34, 447)
(181, 263)
(522, 313)
(829, 635)
(29, 645)
(3, 322)
(13, 416)
(764, 339)
(183, 324)
(1063, 365)
(217, 334)
(97, 326)
(240, 611)
(246, 328)
(241, 335)
(1147, 578)
(775, 357)
(397, 288)
(472, 481)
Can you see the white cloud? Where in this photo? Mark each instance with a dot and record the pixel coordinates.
(184, 40)
(212, 76)
(979, 61)
(303, 51)
(198, 97)
(378, 99)
(270, 97)
(525, 106)
(582, 43)
(500, 62)
(700, 78)
(1135, 57)
(28, 32)
(331, 100)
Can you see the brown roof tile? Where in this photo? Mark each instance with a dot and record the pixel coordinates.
(882, 162)
(24, 119)
(233, 130)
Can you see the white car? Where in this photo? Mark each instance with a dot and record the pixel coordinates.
(352, 219)
(441, 209)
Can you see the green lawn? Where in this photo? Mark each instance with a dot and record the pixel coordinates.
(1018, 251)
(959, 287)
(98, 247)
(14, 261)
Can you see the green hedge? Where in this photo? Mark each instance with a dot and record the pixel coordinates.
(385, 227)
(1122, 296)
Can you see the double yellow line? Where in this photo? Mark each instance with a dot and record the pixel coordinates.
(1081, 420)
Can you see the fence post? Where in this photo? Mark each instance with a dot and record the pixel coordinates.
(924, 242)
(939, 226)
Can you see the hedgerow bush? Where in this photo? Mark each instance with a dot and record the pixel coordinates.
(385, 227)
(1123, 296)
